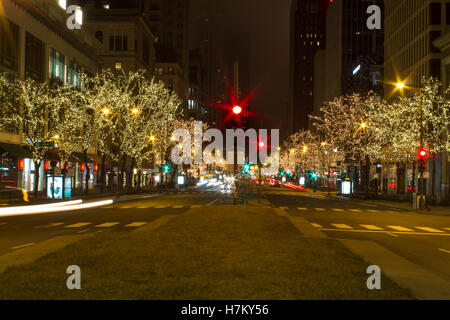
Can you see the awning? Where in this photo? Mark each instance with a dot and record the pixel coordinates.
(95, 158)
(14, 151)
(80, 156)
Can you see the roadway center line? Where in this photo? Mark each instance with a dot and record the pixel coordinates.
(23, 246)
(443, 250)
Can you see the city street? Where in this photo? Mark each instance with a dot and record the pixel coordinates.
(421, 239)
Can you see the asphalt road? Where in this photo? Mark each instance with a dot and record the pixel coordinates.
(420, 238)
(17, 232)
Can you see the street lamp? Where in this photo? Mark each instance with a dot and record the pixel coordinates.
(401, 85)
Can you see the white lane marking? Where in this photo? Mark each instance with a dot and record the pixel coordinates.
(78, 225)
(370, 227)
(212, 202)
(392, 234)
(107, 225)
(316, 225)
(430, 229)
(399, 228)
(319, 209)
(443, 250)
(136, 224)
(341, 226)
(23, 246)
(337, 210)
(83, 231)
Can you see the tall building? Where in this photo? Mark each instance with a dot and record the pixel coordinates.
(411, 29)
(35, 43)
(354, 53)
(308, 33)
(123, 39)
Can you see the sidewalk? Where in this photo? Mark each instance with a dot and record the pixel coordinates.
(406, 206)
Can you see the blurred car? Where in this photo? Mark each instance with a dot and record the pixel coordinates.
(275, 183)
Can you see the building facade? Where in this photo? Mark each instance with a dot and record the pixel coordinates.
(308, 34)
(35, 43)
(416, 46)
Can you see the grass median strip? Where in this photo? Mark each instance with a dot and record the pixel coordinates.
(225, 253)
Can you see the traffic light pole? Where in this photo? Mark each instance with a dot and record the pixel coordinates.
(422, 162)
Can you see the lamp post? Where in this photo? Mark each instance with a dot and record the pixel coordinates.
(402, 86)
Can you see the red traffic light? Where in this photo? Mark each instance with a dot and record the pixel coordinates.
(423, 153)
(237, 110)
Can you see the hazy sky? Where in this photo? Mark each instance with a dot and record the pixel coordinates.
(257, 33)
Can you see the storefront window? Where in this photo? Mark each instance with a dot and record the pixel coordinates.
(57, 65)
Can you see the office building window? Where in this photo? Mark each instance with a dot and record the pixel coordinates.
(435, 13)
(9, 41)
(34, 57)
(99, 36)
(74, 75)
(57, 66)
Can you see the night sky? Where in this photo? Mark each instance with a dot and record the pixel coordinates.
(256, 32)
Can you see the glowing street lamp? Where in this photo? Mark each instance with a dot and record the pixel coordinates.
(400, 85)
(106, 111)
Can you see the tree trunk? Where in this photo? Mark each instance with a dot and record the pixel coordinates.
(432, 180)
(86, 181)
(103, 175)
(37, 165)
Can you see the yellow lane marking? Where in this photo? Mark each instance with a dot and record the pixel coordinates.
(145, 207)
(399, 228)
(370, 227)
(302, 209)
(443, 250)
(374, 210)
(338, 210)
(126, 207)
(136, 224)
(341, 226)
(319, 209)
(107, 225)
(355, 210)
(78, 225)
(447, 229)
(390, 232)
(316, 225)
(430, 229)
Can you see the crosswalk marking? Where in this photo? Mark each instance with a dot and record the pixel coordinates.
(136, 224)
(316, 225)
(78, 225)
(302, 209)
(430, 229)
(145, 206)
(338, 210)
(319, 209)
(107, 224)
(399, 228)
(341, 226)
(370, 227)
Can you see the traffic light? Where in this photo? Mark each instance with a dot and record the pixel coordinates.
(246, 169)
(423, 154)
(166, 168)
(237, 110)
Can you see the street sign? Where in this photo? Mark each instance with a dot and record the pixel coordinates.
(45, 144)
